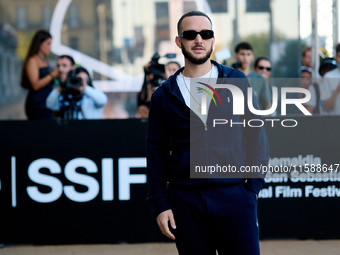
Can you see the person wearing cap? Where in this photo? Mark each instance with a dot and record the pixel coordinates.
(92, 101)
(330, 88)
(315, 105)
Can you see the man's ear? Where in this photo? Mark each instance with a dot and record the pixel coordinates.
(73, 67)
(178, 42)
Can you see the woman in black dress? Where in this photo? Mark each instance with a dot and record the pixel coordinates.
(37, 77)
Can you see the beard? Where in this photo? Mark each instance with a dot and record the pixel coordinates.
(194, 60)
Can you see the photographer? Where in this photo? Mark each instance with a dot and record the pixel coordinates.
(75, 98)
(155, 74)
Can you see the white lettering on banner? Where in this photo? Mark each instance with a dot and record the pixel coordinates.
(276, 177)
(43, 179)
(314, 177)
(266, 192)
(287, 192)
(330, 191)
(14, 182)
(107, 179)
(295, 161)
(310, 192)
(90, 182)
(125, 178)
(93, 187)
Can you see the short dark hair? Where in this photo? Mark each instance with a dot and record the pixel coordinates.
(256, 63)
(305, 50)
(243, 46)
(190, 14)
(69, 58)
(337, 49)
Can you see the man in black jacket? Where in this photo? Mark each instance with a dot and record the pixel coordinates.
(204, 211)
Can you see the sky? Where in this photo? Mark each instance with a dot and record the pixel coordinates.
(325, 27)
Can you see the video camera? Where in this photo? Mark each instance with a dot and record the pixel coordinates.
(72, 81)
(158, 70)
(236, 65)
(71, 96)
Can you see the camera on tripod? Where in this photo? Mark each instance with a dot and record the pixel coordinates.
(72, 81)
(71, 96)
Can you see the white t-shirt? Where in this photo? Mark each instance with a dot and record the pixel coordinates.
(312, 102)
(330, 83)
(195, 104)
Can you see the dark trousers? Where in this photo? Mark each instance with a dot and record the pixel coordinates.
(215, 218)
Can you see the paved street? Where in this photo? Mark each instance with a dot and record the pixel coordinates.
(281, 247)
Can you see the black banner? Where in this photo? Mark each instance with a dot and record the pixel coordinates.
(85, 181)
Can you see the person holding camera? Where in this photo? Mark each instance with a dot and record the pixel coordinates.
(144, 96)
(155, 74)
(75, 98)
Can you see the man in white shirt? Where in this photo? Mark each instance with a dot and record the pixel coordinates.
(329, 91)
(315, 105)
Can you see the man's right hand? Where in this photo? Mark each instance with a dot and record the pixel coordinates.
(162, 221)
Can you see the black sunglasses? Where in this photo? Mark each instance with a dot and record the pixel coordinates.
(191, 34)
(267, 68)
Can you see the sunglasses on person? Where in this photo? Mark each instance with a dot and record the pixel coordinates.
(191, 34)
(267, 68)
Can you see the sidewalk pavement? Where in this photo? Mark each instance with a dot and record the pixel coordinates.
(268, 247)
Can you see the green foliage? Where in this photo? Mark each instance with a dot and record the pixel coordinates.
(260, 42)
(288, 65)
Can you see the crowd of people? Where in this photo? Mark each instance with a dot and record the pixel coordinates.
(56, 94)
(324, 91)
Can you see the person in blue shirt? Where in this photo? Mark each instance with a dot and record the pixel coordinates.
(80, 102)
